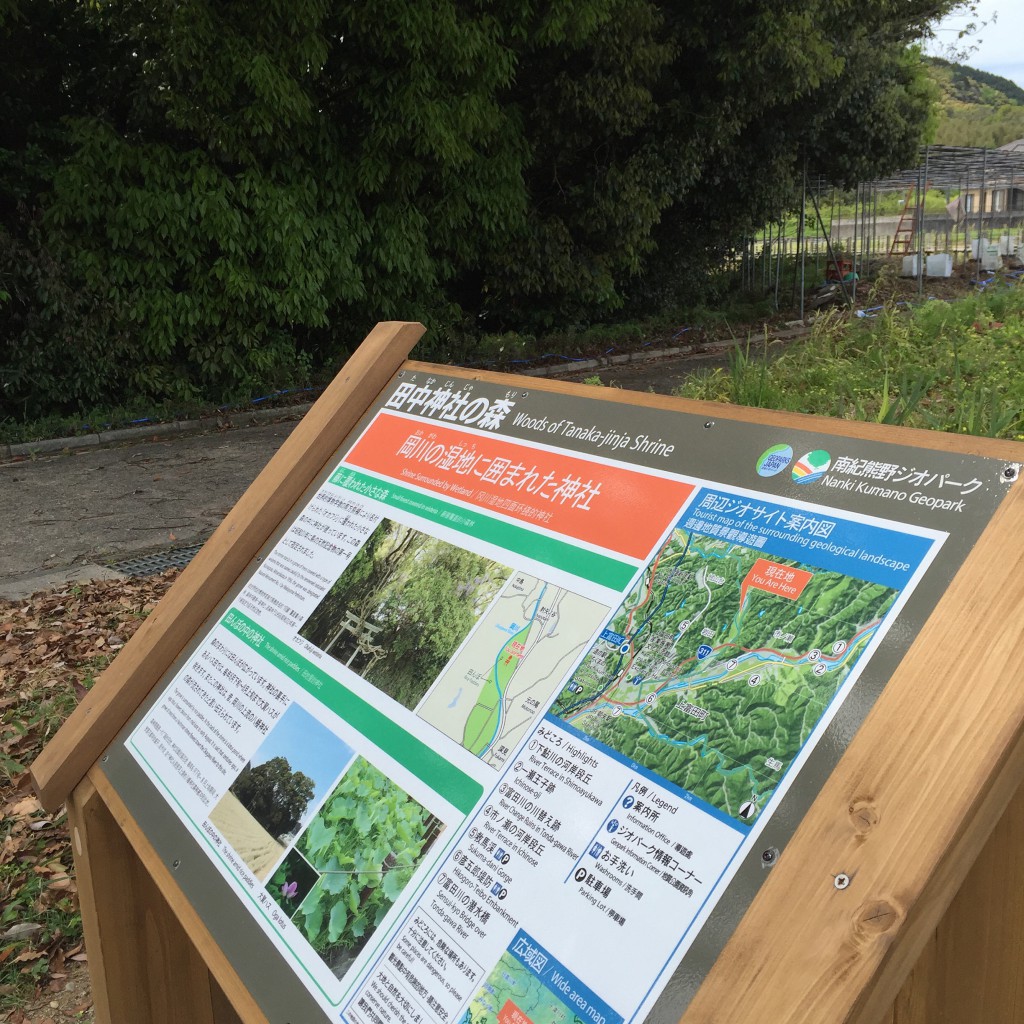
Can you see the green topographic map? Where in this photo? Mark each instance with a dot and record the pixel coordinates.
(711, 678)
(513, 994)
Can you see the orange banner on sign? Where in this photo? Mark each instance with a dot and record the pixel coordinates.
(773, 578)
(511, 1014)
(616, 508)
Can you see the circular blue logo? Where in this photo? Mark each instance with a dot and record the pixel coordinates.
(774, 460)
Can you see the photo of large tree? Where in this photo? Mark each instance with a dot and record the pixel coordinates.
(274, 795)
(401, 608)
(279, 788)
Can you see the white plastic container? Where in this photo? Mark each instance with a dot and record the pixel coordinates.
(1005, 245)
(990, 259)
(911, 264)
(939, 264)
(979, 245)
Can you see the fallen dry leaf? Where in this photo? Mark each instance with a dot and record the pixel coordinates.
(28, 955)
(52, 645)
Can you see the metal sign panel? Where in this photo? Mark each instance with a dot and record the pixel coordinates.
(513, 717)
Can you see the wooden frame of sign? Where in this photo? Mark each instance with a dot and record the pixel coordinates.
(900, 898)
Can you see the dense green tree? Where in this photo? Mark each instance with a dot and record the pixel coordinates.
(243, 191)
(274, 795)
(420, 594)
(583, 96)
(53, 331)
(210, 198)
(753, 96)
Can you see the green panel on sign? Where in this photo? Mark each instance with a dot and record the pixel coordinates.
(600, 569)
(455, 786)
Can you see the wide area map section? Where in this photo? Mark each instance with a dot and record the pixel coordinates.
(734, 644)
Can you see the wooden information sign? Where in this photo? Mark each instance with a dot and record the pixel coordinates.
(507, 701)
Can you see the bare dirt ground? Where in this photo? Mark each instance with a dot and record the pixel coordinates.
(50, 645)
(67, 998)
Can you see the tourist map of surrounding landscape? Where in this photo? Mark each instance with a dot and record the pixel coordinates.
(717, 666)
(506, 713)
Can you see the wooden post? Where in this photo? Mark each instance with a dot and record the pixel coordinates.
(120, 689)
(970, 967)
(158, 976)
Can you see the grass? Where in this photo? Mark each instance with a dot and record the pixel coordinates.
(508, 350)
(941, 366)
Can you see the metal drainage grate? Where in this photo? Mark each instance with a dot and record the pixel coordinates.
(148, 565)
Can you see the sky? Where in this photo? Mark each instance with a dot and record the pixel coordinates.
(997, 47)
(309, 747)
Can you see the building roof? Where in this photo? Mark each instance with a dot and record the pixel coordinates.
(961, 167)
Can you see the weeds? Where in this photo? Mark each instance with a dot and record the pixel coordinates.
(942, 366)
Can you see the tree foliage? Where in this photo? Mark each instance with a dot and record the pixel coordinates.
(366, 842)
(964, 84)
(975, 108)
(201, 200)
(420, 595)
(274, 795)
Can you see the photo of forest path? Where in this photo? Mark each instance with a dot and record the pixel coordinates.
(401, 608)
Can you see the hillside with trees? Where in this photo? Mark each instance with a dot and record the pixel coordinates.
(975, 108)
(198, 202)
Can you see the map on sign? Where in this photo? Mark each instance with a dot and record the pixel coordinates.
(513, 994)
(495, 687)
(529, 986)
(719, 664)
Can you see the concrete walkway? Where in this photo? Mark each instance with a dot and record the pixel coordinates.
(66, 515)
(70, 508)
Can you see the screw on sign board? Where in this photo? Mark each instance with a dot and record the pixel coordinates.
(522, 701)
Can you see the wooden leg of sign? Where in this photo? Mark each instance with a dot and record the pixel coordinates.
(971, 971)
(81, 813)
(223, 1011)
(143, 966)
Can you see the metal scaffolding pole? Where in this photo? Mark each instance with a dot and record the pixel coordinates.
(853, 246)
(803, 240)
(831, 253)
(981, 216)
(922, 189)
(780, 251)
(874, 223)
